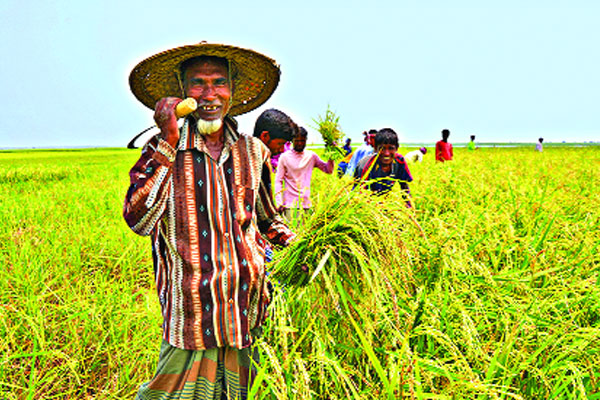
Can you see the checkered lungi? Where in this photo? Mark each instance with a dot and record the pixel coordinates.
(215, 374)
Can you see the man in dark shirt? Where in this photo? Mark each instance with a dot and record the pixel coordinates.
(380, 171)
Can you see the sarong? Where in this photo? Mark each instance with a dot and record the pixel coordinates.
(223, 373)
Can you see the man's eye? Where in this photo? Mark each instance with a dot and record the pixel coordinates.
(221, 82)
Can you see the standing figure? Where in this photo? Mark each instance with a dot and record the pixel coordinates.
(538, 145)
(361, 152)
(348, 146)
(202, 193)
(275, 128)
(294, 174)
(443, 149)
(471, 146)
(380, 171)
(416, 155)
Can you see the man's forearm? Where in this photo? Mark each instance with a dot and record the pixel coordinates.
(150, 184)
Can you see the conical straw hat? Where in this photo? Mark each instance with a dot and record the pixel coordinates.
(254, 75)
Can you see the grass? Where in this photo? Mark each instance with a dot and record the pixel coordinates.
(487, 290)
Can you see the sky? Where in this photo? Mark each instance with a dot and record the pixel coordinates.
(510, 71)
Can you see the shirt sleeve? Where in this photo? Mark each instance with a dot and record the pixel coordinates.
(280, 173)
(356, 157)
(150, 185)
(326, 167)
(403, 172)
(438, 151)
(270, 223)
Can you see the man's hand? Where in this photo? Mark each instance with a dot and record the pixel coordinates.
(166, 120)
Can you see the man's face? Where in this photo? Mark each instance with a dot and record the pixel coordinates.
(208, 83)
(299, 143)
(371, 140)
(274, 145)
(387, 153)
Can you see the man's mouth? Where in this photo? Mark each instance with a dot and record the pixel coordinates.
(208, 107)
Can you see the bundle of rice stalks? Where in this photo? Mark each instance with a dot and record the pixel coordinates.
(347, 231)
(332, 134)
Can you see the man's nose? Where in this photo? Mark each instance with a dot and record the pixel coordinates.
(209, 93)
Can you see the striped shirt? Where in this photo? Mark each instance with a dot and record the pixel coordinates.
(205, 218)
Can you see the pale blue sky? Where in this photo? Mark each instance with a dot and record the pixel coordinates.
(511, 71)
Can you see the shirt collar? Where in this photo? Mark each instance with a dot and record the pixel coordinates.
(189, 139)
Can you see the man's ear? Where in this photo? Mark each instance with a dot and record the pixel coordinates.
(265, 137)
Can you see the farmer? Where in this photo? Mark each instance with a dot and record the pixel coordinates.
(471, 146)
(443, 149)
(416, 155)
(380, 171)
(295, 172)
(275, 129)
(362, 151)
(348, 146)
(201, 192)
(538, 145)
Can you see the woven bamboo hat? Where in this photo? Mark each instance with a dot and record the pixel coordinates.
(254, 75)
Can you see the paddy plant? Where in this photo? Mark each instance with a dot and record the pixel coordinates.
(487, 289)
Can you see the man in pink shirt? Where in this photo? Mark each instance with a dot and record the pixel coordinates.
(295, 172)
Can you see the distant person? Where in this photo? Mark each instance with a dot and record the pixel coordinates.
(416, 155)
(347, 146)
(294, 174)
(380, 171)
(443, 149)
(362, 151)
(538, 146)
(274, 128)
(471, 146)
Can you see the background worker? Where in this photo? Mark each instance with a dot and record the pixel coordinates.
(416, 155)
(275, 129)
(538, 146)
(471, 146)
(362, 151)
(443, 149)
(293, 178)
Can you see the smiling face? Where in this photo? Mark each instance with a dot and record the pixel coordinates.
(299, 143)
(207, 81)
(387, 152)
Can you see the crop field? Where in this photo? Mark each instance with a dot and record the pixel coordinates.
(487, 289)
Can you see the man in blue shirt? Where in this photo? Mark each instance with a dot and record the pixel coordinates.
(361, 152)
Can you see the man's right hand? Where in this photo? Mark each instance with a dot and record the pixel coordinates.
(166, 120)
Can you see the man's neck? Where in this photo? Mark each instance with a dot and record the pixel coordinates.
(214, 143)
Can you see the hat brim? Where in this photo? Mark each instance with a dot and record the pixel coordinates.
(255, 76)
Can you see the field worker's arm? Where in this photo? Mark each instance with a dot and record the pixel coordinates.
(404, 176)
(270, 223)
(150, 184)
(279, 181)
(326, 167)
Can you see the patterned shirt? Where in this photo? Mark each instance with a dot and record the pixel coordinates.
(205, 218)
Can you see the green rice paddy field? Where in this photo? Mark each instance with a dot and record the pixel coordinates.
(488, 289)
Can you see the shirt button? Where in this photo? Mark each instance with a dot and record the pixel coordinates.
(230, 301)
(226, 235)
